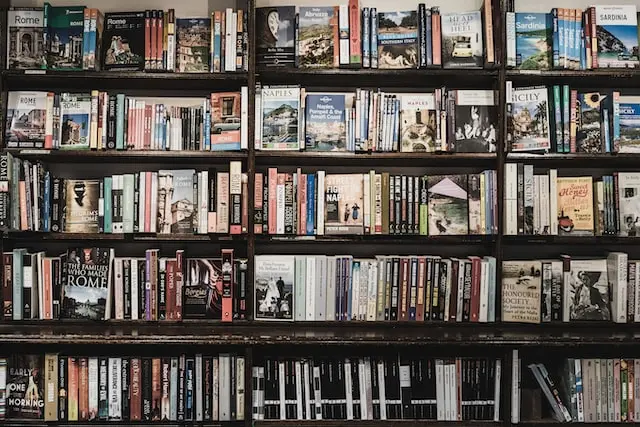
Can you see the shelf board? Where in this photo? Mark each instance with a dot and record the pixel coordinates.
(612, 77)
(103, 423)
(391, 238)
(570, 240)
(140, 237)
(371, 423)
(128, 156)
(572, 160)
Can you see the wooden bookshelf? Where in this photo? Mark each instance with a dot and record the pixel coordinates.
(312, 158)
(34, 236)
(131, 156)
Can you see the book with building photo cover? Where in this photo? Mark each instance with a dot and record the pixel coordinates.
(75, 119)
(575, 206)
(476, 121)
(26, 119)
(398, 40)
(343, 204)
(81, 205)
(587, 296)
(63, 36)
(194, 43)
(521, 291)
(417, 122)
(176, 206)
(25, 387)
(87, 279)
(123, 41)
(25, 38)
(325, 126)
(588, 132)
(275, 34)
(629, 124)
(528, 119)
(317, 37)
(629, 203)
(225, 121)
(448, 205)
(462, 40)
(280, 118)
(534, 42)
(617, 33)
(273, 287)
(203, 289)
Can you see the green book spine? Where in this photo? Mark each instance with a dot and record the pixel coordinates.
(424, 207)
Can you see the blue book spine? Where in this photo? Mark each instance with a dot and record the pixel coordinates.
(557, 108)
(583, 52)
(107, 204)
(616, 121)
(571, 40)
(561, 41)
(556, 38)
(46, 214)
(17, 283)
(120, 121)
(374, 37)
(216, 46)
(207, 126)
(86, 39)
(311, 205)
(366, 38)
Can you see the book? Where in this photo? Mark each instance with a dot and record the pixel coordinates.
(273, 287)
(317, 37)
(588, 291)
(476, 121)
(528, 119)
(64, 36)
(448, 204)
(25, 38)
(280, 118)
(203, 289)
(629, 124)
(398, 40)
(75, 120)
(123, 41)
(25, 387)
(343, 204)
(325, 122)
(26, 120)
(225, 121)
(588, 134)
(81, 205)
(617, 36)
(575, 205)
(193, 44)
(275, 36)
(462, 41)
(629, 203)
(521, 291)
(176, 204)
(418, 122)
(534, 32)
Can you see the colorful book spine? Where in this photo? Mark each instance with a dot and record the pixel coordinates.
(366, 38)
(373, 47)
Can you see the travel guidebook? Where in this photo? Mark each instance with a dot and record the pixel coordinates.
(25, 39)
(398, 40)
(534, 33)
(176, 205)
(123, 41)
(417, 122)
(588, 134)
(273, 291)
(629, 124)
(64, 36)
(448, 205)
(194, 38)
(317, 37)
(81, 205)
(528, 119)
(280, 118)
(203, 289)
(617, 32)
(75, 118)
(462, 40)
(275, 36)
(26, 119)
(225, 121)
(325, 122)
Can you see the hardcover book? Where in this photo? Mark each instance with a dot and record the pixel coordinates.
(588, 133)
(398, 40)
(462, 40)
(343, 204)
(629, 203)
(275, 34)
(176, 204)
(476, 121)
(225, 121)
(75, 119)
(25, 387)
(274, 276)
(87, 279)
(25, 38)
(64, 36)
(81, 205)
(448, 205)
(528, 119)
(317, 37)
(521, 291)
(534, 32)
(417, 122)
(629, 124)
(203, 289)
(123, 41)
(280, 118)
(26, 119)
(194, 42)
(617, 33)
(588, 290)
(575, 205)
(325, 122)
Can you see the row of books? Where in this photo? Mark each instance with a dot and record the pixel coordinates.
(310, 204)
(377, 388)
(390, 287)
(94, 284)
(100, 120)
(164, 202)
(569, 289)
(350, 36)
(80, 38)
(573, 206)
(290, 118)
(60, 388)
(601, 36)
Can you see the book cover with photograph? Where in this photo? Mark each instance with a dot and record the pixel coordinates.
(25, 38)
(588, 291)
(448, 205)
(317, 37)
(203, 289)
(64, 36)
(521, 291)
(417, 122)
(588, 132)
(273, 287)
(462, 40)
(575, 206)
(629, 124)
(225, 121)
(534, 42)
(123, 41)
(275, 36)
(398, 40)
(25, 387)
(475, 121)
(193, 44)
(280, 118)
(325, 122)
(75, 119)
(629, 203)
(86, 291)
(26, 119)
(617, 33)
(81, 205)
(528, 119)
(343, 204)
(176, 206)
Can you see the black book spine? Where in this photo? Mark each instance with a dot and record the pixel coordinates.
(103, 389)
(405, 390)
(181, 387)
(111, 123)
(443, 286)
(146, 389)
(165, 402)
(395, 278)
(126, 122)
(189, 389)
(56, 204)
(355, 381)
(62, 388)
(422, 34)
(126, 387)
(397, 198)
(466, 294)
(242, 286)
(101, 213)
(288, 204)
(141, 289)
(27, 290)
(136, 203)
(234, 387)
(265, 204)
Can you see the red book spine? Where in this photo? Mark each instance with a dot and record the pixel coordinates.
(354, 33)
(73, 389)
(404, 290)
(83, 389)
(227, 285)
(135, 404)
(154, 39)
(257, 204)
(159, 40)
(156, 390)
(147, 40)
(7, 286)
(475, 288)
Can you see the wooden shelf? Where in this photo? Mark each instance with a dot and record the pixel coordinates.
(102, 423)
(574, 160)
(600, 78)
(391, 238)
(570, 240)
(129, 156)
(371, 423)
(141, 237)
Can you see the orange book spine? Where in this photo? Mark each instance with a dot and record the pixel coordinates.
(153, 55)
(227, 285)
(436, 39)
(147, 40)
(83, 389)
(72, 400)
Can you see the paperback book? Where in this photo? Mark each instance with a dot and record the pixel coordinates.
(475, 121)
(25, 38)
(448, 205)
(225, 121)
(418, 122)
(462, 40)
(25, 387)
(343, 204)
(64, 36)
(194, 39)
(521, 291)
(123, 41)
(398, 40)
(325, 122)
(588, 291)
(588, 134)
(629, 124)
(275, 34)
(81, 205)
(629, 203)
(575, 205)
(280, 118)
(534, 41)
(26, 119)
(75, 118)
(203, 290)
(317, 37)
(274, 278)
(528, 119)
(617, 34)
(176, 204)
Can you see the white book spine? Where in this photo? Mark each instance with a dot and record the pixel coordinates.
(617, 272)
(372, 283)
(198, 389)
(363, 390)
(545, 212)
(317, 398)
(240, 391)
(119, 288)
(298, 380)
(515, 387)
(115, 388)
(440, 395)
(330, 308)
(154, 200)
(310, 292)
(383, 392)
(224, 392)
(93, 386)
(553, 201)
(536, 205)
(483, 313)
(215, 383)
(307, 389)
(320, 204)
(447, 392)
(367, 203)
(496, 393)
(348, 385)
(511, 197)
(281, 390)
(511, 38)
(343, 22)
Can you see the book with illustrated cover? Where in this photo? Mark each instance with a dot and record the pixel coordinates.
(280, 118)
(273, 287)
(193, 44)
(25, 38)
(75, 119)
(203, 289)
(588, 133)
(462, 40)
(629, 124)
(81, 205)
(534, 32)
(528, 119)
(176, 206)
(343, 204)
(26, 119)
(87, 284)
(521, 291)
(417, 122)
(25, 387)
(575, 205)
(398, 40)
(64, 36)
(325, 122)
(275, 34)
(617, 33)
(225, 121)
(588, 291)
(317, 37)
(123, 41)
(475, 121)
(629, 203)
(448, 205)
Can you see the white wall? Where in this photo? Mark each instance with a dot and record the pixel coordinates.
(184, 8)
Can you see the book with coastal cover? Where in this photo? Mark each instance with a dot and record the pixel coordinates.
(63, 37)
(25, 38)
(521, 291)
(26, 119)
(176, 204)
(123, 41)
(325, 122)
(75, 118)
(528, 119)
(575, 206)
(398, 40)
(225, 121)
(203, 289)
(534, 33)
(275, 36)
(462, 40)
(193, 44)
(25, 387)
(280, 118)
(629, 124)
(343, 204)
(448, 204)
(617, 32)
(274, 287)
(588, 133)
(317, 37)
(629, 203)
(86, 293)
(475, 121)
(587, 296)
(417, 122)
(81, 205)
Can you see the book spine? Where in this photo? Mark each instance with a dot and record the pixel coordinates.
(227, 286)
(373, 47)
(62, 388)
(125, 383)
(355, 51)
(366, 38)
(136, 390)
(51, 387)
